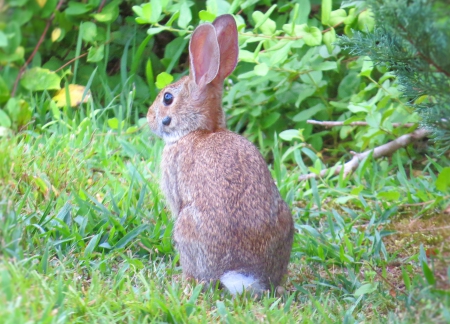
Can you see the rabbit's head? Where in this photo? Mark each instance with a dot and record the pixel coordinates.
(194, 102)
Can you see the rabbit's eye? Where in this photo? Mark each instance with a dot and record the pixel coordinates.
(168, 98)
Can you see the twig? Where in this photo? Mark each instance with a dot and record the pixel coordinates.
(36, 48)
(389, 283)
(171, 29)
(77, 58)
(145, 248)
(100, 8)
(358, 123)
(383, 150)
(71, 61)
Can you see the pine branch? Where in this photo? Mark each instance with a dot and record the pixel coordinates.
(423, 56)
(380, 151)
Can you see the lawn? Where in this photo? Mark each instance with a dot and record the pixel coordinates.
(85, 236)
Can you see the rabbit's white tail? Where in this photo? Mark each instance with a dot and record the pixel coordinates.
(237, 282)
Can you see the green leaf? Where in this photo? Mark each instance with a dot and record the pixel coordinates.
(130, 236)
(312, 36)
(246, 56)
(109, 13)
(406, 279)
(3, 39)
(19, 111)
(270, 119)
(92, 245)
(308, 113)
(163, 79)
(324, 66)
(185, 15)
(305, 91)
(150, 79)
(43, 265)
(351, 18)
(206, 16)
(96, 54)
(88, 31)
(374, 120)
(156, 11)
(113, 123)
(349, 85)
(154, 30)
(222, 311)
(76, 8)
(4, 119)
(290, 134)
(337, 17)
(261, 69)
(138, 10)
(144, 13)
(367, 67)
(14, 35)
(328, 39)
(56, 113)
(366, 289)
(4, 91)
(132, 129)
(281, 54)
(443, 180)
(264, 23)
(352, 119)
(313, 77)
(326, 10)
(38, 79)
(389, 195)
(366, 22)
(173, 18)
(429, 276)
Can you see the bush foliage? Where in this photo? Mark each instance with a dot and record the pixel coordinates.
(290, 69)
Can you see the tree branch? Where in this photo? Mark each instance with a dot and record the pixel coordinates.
(358, 123)
(380, 151)
(36, 48)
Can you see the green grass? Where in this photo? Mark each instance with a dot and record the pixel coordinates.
(85, 236)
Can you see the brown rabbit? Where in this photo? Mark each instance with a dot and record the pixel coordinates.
(231, 223)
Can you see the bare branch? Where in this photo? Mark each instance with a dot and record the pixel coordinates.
(36, 48)
(358, 123)
(383, 150)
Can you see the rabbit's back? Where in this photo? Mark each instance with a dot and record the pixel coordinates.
(229, 213)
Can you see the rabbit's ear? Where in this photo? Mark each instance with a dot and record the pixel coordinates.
(227, 38)
(204, 55)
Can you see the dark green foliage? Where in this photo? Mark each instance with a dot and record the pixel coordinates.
(412, 39)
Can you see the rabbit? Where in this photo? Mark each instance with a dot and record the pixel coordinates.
(231, 224)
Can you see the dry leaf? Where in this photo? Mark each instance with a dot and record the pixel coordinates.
(75, 94)
(55, 34)
(41, 3)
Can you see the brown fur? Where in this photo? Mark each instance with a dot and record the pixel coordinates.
(229, 215)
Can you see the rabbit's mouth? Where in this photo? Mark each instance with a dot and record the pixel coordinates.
(171, 137)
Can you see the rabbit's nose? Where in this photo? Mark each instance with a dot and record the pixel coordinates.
(166, 121)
